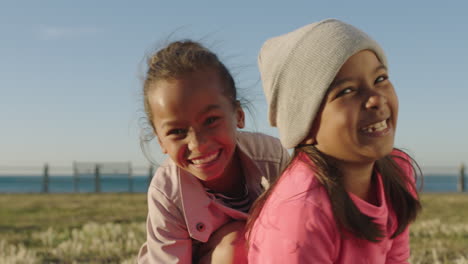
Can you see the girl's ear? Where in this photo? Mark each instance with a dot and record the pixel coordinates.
(311, 138)
(240, 116)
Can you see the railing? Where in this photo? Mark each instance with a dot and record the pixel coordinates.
(80, 177)
(124, 177)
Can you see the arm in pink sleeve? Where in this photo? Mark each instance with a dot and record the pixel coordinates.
(168, 240)
(295, 233)
(320, 241)
(400, 251)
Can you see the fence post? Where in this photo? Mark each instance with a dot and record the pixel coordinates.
(45, 179)
(130, 181)
(97, 181)
(461, 180)
(75, 177)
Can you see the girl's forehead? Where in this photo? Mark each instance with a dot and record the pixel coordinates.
(182, 90)
(192, 81)
(188, 96)
(365, 61)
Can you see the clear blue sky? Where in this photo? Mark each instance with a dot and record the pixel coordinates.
(70, 70)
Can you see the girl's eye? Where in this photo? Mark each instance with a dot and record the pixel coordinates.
(176, 131)
(381, 78)
(344, 92)
(211, 120)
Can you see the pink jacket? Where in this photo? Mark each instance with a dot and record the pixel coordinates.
(297, 225)
(181, 214)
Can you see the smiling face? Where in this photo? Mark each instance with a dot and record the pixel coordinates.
(358, 118)
(196, 123)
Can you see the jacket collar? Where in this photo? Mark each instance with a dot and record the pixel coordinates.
(196, 203)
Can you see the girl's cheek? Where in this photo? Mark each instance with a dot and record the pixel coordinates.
(181, 151)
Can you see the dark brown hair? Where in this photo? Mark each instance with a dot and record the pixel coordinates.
(398, 187)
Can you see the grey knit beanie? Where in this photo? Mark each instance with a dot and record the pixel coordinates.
(297, 68)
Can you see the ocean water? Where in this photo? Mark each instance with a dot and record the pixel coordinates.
(65, 184)
(139, 184)
(441, 183)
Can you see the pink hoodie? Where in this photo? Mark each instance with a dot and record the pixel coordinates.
(297, 225)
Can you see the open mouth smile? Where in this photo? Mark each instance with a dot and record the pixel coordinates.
(205, 160)
(376, 127)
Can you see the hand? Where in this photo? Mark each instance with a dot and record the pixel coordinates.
(226, 245)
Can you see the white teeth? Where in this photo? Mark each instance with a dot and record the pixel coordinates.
(206, 159)
(380, 126)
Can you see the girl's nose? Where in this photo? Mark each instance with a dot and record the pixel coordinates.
(197, 141)
(375, 101)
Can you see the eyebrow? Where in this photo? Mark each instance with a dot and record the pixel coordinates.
(169, 124)
(209, 108)
(339, 82)
(206, 110)
(381, 67)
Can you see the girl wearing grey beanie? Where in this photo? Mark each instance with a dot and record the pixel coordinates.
(347, 196)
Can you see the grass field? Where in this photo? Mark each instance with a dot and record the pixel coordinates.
(110, 228)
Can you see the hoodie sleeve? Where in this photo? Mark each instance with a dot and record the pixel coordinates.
(168, 240)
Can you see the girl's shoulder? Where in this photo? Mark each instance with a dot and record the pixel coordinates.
(403, 160)
(409, 168)
(166, 179)
(302, 202)
(298, 183)
(260, 146)
(175, 184)
(398, 153)
(256, 139)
